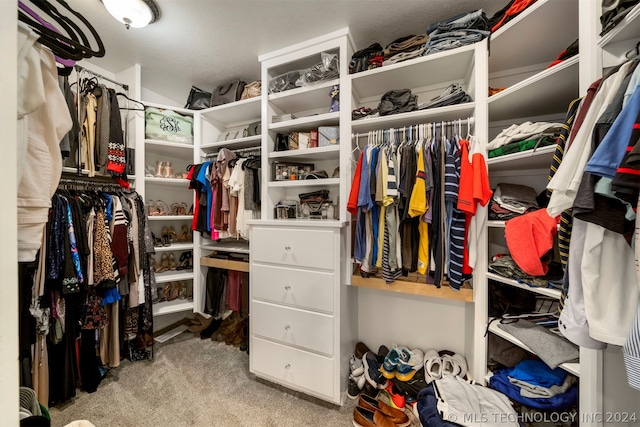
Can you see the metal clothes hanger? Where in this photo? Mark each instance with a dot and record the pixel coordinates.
(132, 100)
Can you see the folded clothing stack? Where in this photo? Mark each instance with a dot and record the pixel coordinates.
(512, 200)
(536, 385)
(366, 59)
(526, 130)
(452, 95)
(541, 140)
(404, 48)
(613, 11)
(397, 101)
(460, 30)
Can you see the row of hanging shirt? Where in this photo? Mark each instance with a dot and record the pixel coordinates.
(227, 193)
(415, 192)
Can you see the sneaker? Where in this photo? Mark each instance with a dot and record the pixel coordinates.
(388, 367)
(372, 371)
(356, 366)
(432, 366)
(353, 391)
(369, 390)
(407, 367)
(396, 396)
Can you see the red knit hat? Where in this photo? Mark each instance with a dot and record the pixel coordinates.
(529, 238)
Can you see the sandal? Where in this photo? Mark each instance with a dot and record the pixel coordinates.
(183, 208)
(166, 238)
(175, 209)
(152, 209)
(173, 237)
(164, 264)
(162, 208)
(182, 292)
(184, 261)
(172, 262)
(157, 242)
(175, 290)
(159, 173)
(168, 170)
(190, 210)
(184, 234)
(166, 292)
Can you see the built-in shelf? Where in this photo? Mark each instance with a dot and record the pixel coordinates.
(301, 98)
(175, 306)
(305, 183)
(174, 247)
(168, 151)
(225, 264)
(237, 246)
(306, 123)
(308, 154)
(232, 144)
(627, 29)
(177, 182)
(429, 115)
(572, 368)
(516, 33)
(530, 159)
(174, 275)
(85, 174)
(233, 113)
(170, 217)
(301, 222)
(549, 292)
(413, 288)
(438, 68)
(547, 92)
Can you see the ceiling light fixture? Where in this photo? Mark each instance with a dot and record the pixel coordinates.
(133, 13)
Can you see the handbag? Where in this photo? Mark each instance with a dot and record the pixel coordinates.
(282, 142)
(254, 129)
(251, 90)
(198, 99)
(227, 92)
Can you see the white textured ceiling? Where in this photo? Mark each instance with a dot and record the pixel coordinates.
(208, 42)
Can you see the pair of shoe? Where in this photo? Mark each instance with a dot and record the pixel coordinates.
(157, 208)
(163, 169)
(173, 291)
(167, 263)
(372, 412)
(372, 363)
(356, 377)
(199, 323)
(436, 366)
(185, 261)
(179, 208)
(401, 363)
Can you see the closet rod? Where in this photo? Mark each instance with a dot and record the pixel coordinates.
(468, 121)
(77, 183)
(80, 68)
(237, 151)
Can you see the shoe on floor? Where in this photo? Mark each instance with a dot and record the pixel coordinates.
(356, 366)
(363, 417)
(361, 349)
(388, 367)
(432, 366)
(407, 367)
(353, 391)
(372, 371)
(396, 396)
(455, 365)
(398, 416)
(369, 390)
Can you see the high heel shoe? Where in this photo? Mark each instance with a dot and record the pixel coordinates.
(185, 258)
(175, 290)
(173, 237)
(168, 170)
(172, 262)
(152, 210)
(184, 234)
(159, 173)
(162, 208)
(164, 264)
(166, 292)
(166, 238)
(157, 242)
(182, 292)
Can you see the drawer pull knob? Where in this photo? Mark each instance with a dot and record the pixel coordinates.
(287, 287)
(287, 248)
(287, 327)
(287, 366)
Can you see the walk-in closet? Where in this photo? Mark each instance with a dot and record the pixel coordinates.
(347, 212)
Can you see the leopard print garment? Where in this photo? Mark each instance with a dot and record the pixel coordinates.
(102, 256)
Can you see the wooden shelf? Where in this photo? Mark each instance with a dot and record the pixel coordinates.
(225, 264)
(175, 306)
(234, 112)
(572, 368)
(549, 292)
(413, 288)
(547, 92)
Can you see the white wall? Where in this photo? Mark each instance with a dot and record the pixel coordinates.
(9, 380)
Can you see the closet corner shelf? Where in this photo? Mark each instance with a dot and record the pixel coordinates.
(542, 17)
(548, 91)
(572, 368)
(627, 29)
(305, 183)
(175, 306)
(232, 144)
(173, 275)
(170, 217)
(302, 98)
(530, 159)
(413, 288)
(234, 112)
(440, 68)
(451, 112)
(174, 247)
(167, 181)
(306, 123)
(320, 153)
(225, 264)
(549, 292)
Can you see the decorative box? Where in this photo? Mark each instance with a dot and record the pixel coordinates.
(328, 135)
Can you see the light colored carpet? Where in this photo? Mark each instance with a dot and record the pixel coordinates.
(196, 382)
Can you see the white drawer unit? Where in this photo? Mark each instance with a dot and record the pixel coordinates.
(296, 247)
(311, 290)
(299, 369)
(300, 328)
